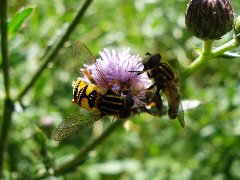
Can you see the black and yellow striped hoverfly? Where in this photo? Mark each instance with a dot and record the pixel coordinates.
(95, 101)
(165, 81)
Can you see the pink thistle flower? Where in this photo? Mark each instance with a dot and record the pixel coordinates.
(116, 66)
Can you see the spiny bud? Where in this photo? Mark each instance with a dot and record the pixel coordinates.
(209, 19)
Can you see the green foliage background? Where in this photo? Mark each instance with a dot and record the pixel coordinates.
(152, 147)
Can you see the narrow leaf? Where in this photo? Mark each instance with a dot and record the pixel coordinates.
(19, 19)
(230, 55)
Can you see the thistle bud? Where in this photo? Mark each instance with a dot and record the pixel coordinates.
(209, 19)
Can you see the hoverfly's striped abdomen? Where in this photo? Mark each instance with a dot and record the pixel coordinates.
(110, 104)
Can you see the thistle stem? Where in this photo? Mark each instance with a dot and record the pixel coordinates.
(207, 54)
(4, 47)
(7, 119)
(225, 47)
(201, 59)
(8, 105)
(207, 48)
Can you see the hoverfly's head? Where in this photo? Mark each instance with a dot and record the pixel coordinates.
(151, 61)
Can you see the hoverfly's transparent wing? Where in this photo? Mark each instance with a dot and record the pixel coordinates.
(81, 54)
(175, 108)
(76, 122)
(180, 114)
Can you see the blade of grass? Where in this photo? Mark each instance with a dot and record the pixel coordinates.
(19, 19)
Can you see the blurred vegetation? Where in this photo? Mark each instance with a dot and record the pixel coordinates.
(152, 147)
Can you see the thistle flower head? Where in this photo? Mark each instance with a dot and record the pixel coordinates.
(209, 19)
(116, 67)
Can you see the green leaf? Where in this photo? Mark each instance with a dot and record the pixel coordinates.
(198, 50)
(230, 55)
(19, 19)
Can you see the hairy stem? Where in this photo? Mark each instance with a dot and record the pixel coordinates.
(53, 52)
(81, 155)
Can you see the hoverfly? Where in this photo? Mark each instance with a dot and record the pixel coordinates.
(94, 98)
(96, 101)
(165, 80)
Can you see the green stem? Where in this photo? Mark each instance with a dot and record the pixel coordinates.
(225, 47)
(201, 59)
(53, 52)
(207, 54)
(7, 117)
(8, 104)
(4, 47)
(81, 155)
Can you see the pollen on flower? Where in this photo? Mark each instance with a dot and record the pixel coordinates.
(117, 68)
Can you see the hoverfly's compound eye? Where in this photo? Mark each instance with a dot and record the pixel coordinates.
(152, 61)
